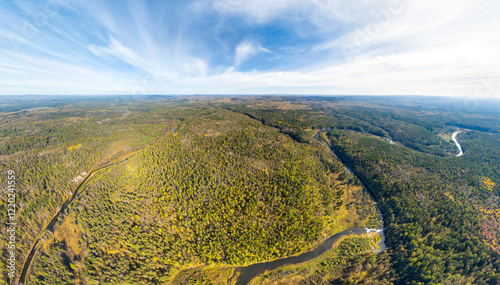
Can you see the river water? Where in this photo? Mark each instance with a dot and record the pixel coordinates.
(454, 138)
(249, 272)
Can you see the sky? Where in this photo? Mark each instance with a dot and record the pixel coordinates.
(329, 47)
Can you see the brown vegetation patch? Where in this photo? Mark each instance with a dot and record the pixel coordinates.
(69, 232)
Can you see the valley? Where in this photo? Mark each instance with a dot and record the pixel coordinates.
(253, 190)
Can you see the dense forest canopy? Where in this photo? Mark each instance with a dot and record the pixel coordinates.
(197, 187)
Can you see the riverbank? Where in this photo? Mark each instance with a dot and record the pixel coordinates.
(381, 230)
(249, 272)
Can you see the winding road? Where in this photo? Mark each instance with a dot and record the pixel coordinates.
(49, 227)
(247, 273)
(454, 138)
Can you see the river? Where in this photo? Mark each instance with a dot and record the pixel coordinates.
(249, 272)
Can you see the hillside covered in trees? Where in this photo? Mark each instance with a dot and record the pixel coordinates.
(202, 187)
(188, 190)
(441, 210)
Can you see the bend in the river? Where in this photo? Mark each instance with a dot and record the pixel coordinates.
(249, 272)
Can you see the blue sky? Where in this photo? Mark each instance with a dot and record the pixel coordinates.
(250, 47)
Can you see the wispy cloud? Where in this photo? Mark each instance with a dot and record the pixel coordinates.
(236, 46)
(259, 11)
(247, 49)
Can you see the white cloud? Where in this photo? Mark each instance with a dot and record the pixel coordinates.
(120, 51)
(320, 12)
(384, 47)
(157, 69)
(245, 50)
(24, 74)
(195, 67)
(258, 10)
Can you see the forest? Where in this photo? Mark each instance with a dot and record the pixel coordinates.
(441, 210)
(214, 184)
